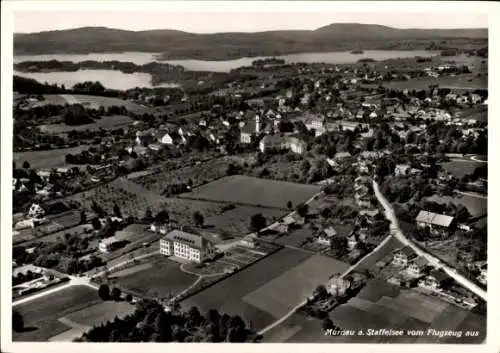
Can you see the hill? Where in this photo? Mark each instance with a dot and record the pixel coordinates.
(220, 46)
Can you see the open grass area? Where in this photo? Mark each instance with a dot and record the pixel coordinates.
(477, 206)
(227, 295)
(459, 82)
(382, 305)
(94, 102)
(459, 168)
(106, 122)
(101, 312)
(41, 316)
(239, 189)
(283, 293)
(163, 279)
(47, 159)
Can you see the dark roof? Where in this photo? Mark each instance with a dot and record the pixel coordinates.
(408, 251)
(439, 275)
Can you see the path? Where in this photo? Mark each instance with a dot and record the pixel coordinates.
(472, 194)
(346, 272)
(397, 233)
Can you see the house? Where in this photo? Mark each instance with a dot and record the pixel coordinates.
(36, 211)
(187, 246)
(403, 256)
(338, 286)
(172, 138)
(438, 224)
(158, 227)
(435, 280)
(342, 155)
(108, 244)
(248, 242)
(315, 122)
(482, 278)
(369, 213)
(326, 236)
(417, 267)
(402, 169)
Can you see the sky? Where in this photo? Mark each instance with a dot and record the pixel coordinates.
(211, 22)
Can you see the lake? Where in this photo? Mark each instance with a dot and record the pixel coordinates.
(112, 79)
(119, 80)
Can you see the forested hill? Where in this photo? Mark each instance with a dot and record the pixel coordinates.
(220, 46)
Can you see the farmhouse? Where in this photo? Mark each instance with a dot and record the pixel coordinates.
(337, 286)
(438, 224)
(326, 236)
(187, 246)
(108, 244)
(403, 256)
(416, 267)
(436, 280)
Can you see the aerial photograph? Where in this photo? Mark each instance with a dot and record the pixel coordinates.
(274, 177)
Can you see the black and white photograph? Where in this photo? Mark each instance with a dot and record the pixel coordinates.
(241, 175)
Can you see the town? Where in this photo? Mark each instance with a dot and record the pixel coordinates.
(272, 203)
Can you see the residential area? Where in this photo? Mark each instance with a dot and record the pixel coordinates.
(270, 204)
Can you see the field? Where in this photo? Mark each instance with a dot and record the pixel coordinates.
(477, 206)
(382, 305)
(133, 200)
(41, 316)
(246, 190)
(298, 283)
(94, 102)
(47, 159)
(106, 122)
(181, 171)
(228, 295)
(459, 168)
(163, 279)
(383, 254)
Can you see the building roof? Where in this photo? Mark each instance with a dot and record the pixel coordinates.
(342, 155)
(193, 240)
(434, 219)
(420, 262)
(439, 275)
(109, 241)
(330, 232)
(408, 251)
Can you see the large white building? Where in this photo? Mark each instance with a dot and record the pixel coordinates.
(277, 142)
(187, 246)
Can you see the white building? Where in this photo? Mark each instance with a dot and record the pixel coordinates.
(187, 246)
(108, 244)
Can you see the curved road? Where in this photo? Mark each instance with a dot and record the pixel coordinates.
(397, 233)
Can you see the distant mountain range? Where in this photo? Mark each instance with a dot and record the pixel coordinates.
(220, 46)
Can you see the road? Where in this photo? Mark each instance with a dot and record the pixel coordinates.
(397, 233)
(346, 272)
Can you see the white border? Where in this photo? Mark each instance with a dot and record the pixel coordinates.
(441, 8)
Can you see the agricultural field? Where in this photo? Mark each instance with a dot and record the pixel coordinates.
(163, 279)
(382, 255)
(459, 168)
(477, 206)
(298, 283)
(106, 122)
(460, 82)
(41, 316)
(94, 102)
(239, 189)
(228, 295)
(382, 305)
(182, 171)
(47, 159)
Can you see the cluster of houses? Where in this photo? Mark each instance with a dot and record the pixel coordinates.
(416, 268)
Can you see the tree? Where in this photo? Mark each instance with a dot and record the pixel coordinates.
(96, 223)
(26, 165)
(321, 291)
(198, 219)
(83, 217)
(148, 216)
(462, 214)
(129, 298)
(103, 292)
(257, 222)
(116, 293)
(117, 211)
(289, 205)
(327, 324)
(302, 209)
(162, 217)
(17, 321)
